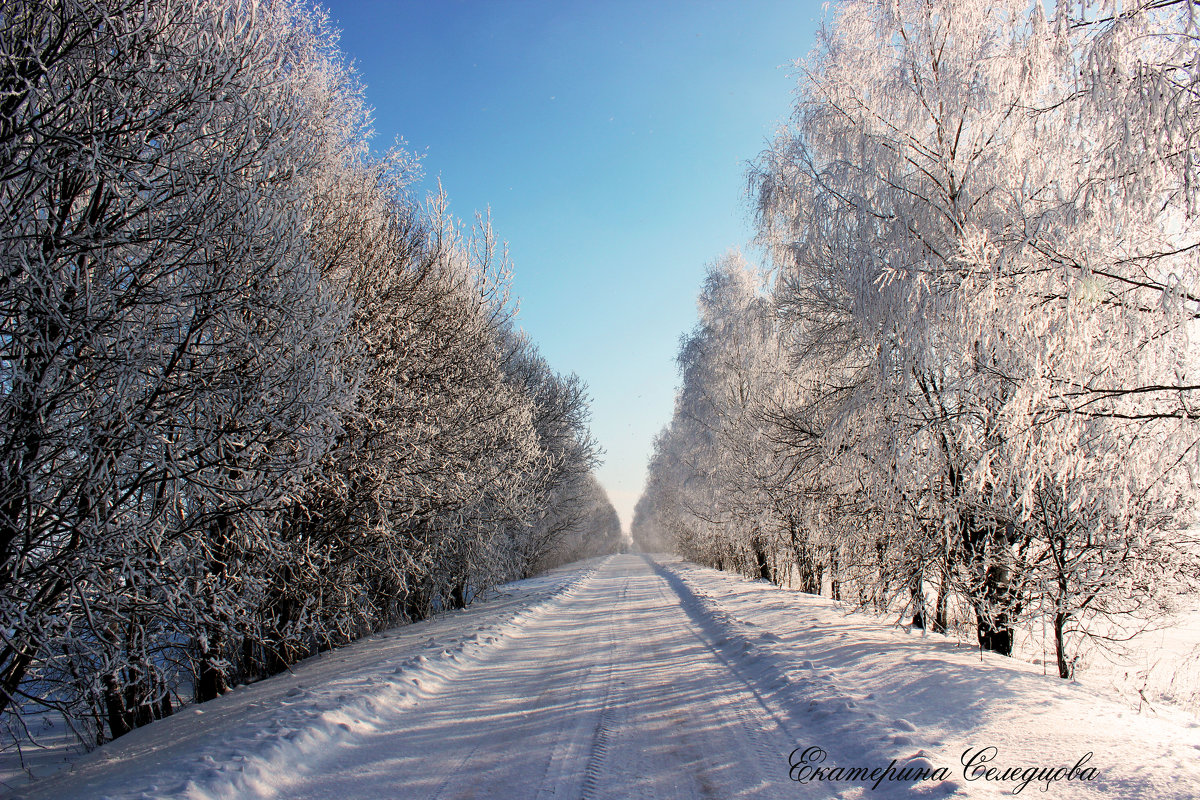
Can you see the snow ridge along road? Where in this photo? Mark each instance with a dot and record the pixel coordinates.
(636, 677)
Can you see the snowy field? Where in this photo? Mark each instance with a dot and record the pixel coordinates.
(1159, 666)
(633, 677)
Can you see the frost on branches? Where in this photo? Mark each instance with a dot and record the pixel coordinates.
(254, 400)
(975, 393)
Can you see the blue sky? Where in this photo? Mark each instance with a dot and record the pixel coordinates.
(610, 140)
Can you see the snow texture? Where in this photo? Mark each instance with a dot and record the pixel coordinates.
(638, 676)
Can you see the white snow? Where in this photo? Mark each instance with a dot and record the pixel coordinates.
(640, 677)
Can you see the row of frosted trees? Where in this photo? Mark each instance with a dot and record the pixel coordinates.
(967, 384)
(255, 401)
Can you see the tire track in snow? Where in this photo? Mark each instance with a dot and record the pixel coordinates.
(832, 719)
(767, 730)
(567, 750)
(452, 781)
(600, 734)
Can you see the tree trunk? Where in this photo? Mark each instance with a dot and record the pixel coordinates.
(995, 602)
(761, 564)
(416, 602)
(994, 617)
(996, 637)
(210, 682)
(458, 595)
(917, 590)
(120, 721)
(1066, 667)
(939, 611)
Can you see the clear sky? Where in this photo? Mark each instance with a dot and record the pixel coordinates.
(610, 140)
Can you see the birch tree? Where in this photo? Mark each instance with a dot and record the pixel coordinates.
(983, 250)
(965, 194)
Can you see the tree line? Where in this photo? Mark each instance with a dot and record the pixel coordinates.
(256, 399)
(965, 383)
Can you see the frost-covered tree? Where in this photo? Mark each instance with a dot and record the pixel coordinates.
(585, 527)
(254, 400)
(167, 343)
(966, 194)
(715, 482)
(975, 378)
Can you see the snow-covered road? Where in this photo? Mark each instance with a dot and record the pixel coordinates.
(633, 677)
(609, 691)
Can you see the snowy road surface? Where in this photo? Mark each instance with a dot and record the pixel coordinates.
(632, 677)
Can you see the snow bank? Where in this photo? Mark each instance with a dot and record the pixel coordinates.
(254, 741)
(868, 692)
